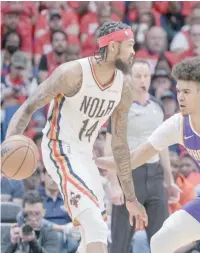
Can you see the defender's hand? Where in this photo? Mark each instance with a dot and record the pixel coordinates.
(138, 211)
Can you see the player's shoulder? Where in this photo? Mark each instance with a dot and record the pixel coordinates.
(72, 66)
(175, 120)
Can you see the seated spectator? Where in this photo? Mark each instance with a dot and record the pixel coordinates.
(145, 21)
(39, 239)
(181, 41)
(54, 212)
(11, 42)
(161, 82)
(69, 19)
(194, 50)
(15, 84)
(135, 8)
(89, 45)
(181, 178)
(32, 182)
(11, 22)
(163, 64)
(90, 21)
(12, 190)
(43, 40)
(170, 104)
(49, 62)
(156, 46)
(73, 52)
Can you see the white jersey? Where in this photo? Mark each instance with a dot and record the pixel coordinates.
(76, 120)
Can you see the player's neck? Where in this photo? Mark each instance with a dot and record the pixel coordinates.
(52, 194)
(106, 66)
(195, 119)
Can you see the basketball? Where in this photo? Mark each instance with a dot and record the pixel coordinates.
(19, 157)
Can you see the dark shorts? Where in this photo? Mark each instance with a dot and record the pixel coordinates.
(193, 208)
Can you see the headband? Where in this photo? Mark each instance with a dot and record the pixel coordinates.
(120, 35)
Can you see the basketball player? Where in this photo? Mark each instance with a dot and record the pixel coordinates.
(183, 226)
(83, 94)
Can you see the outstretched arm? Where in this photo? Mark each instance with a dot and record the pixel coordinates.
(119, 142)
(66, 79)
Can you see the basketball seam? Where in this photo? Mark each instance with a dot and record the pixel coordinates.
(33, 156)
(23, 159)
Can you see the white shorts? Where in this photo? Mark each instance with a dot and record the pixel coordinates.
(77, 177)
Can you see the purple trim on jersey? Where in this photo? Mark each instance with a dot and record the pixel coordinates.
(193, 208)
(138, 103)
(191, 141)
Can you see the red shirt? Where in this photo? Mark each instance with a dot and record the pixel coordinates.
(153, 58)
(187, 54)
(69, 18)
(133, 15)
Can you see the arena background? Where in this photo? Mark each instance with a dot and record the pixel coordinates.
(36, 37)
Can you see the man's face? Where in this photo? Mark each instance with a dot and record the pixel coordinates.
(141, 76)
(11, 21)
(143, 6)
(156, 40)
(187, 166)
(188, 95)
(12, 43)
(161, 85)
(124, 55)
(55, 23)
(175, 163)
(59, 43)
(17, 72)
(35, 213)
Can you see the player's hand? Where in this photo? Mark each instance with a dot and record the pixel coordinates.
(117, 195)
(14, 234)
(138, 211)
(106, 163)
(173, 193)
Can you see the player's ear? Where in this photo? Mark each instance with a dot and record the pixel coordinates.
(113, 47)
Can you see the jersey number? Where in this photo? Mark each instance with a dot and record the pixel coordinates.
(88, 130)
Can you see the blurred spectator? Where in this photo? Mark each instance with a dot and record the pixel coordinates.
(156, 46)
(73, 52)
(145, 21)
(14, 85)
(11, 22)
(175, 162)
(194, 50)
(49, 62)
(11, 42)
(38, 140)
(170, 104)
(12, 190)
(39, 239)
(181, 174)
(181, 41)
(89, 45)
(33, 182)
(54, 213)
(161, 82)
(90, 21)
(137, 7)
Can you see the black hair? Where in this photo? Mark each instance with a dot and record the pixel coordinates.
(57, 31)
(32, 197)
(5, 38)
(187, 70)
(107, 28)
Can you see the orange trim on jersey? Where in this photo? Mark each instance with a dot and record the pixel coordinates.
(100, 85)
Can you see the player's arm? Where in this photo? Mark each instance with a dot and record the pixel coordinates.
(66, 79)
(165, 135)
(119, 142)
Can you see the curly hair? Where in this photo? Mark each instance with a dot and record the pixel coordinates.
(187, 70)
(107, 28)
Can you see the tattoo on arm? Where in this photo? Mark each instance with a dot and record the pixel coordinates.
(120, 147)
(66, 79)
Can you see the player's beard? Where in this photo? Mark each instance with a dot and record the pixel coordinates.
(123, 66)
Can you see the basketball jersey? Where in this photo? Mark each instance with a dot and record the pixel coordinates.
(191, 140)
(77, 120)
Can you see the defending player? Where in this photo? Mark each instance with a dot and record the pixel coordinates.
(83, 95)
(183, 226)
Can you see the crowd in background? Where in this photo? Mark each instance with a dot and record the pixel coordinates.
(36, 37)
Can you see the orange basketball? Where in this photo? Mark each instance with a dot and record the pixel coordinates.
(19, 157)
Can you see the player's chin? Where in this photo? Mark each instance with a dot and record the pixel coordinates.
(184, 112)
